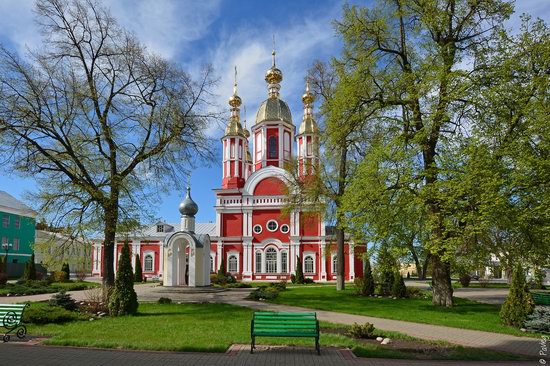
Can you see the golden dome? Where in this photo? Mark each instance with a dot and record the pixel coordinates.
(273, 76)
(308, 126)
(248, 156)
(234, 128)
(235, 101)
(246, 133)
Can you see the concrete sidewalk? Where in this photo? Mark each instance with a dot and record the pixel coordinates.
(24, 355)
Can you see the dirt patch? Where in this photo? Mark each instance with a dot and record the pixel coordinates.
(406, 346)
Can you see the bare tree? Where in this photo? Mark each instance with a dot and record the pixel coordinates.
(100, 122)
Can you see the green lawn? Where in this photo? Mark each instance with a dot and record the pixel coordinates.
(465, 314)
(209, 328)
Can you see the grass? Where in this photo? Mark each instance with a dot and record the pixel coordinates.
(41, 287)
(465, 314)
(212, 328)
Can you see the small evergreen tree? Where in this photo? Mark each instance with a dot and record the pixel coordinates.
(368, 278)
(123, 300)
(398, 289)
(3, 263)
(138, 276)
(222, 271)
(299, 271)
(65, 268)
(519, 303)
(30, 270)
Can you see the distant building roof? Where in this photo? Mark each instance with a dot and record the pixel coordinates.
(8, 203)
(201, 228)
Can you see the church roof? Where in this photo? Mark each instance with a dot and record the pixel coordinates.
(274, 109)
(169, 228)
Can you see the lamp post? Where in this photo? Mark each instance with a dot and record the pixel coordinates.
(6, 247)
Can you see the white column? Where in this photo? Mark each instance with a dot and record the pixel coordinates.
(279, 261)
(351, 261)
(219, 254)
(161, 259)
(323, 261)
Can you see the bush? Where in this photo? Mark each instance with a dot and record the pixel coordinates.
(398, 289)
(414, 292)
(364, 286)
(138, 276)
(65, 268)
(64, 300)
(3, 278)
(50, 314)
(292, 278)
(519, 303)
(465, 279)
(299, 276)
(165, 300)
(81, 274)
(60, 276)
(308, 281)
(123, 300)
(238, 285)
(222, 280)
(483, 282)
(95, 301)
(264, 293)
(281, 285)
(361, 331)
(386, 283)
(539, 320)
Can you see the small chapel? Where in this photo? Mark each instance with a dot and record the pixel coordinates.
(252, 236)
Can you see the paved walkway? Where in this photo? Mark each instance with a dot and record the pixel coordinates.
(463, 337)
(23, 355)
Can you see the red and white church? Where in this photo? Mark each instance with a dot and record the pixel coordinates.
(251, 235)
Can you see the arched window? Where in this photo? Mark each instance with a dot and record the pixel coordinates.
(148, 263)
(334, 264)
(271, 260)
(258, 262)
(272, 147)
(284, 261)
(232, 264)
(308, 264)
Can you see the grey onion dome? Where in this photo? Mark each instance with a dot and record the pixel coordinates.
(188, 207)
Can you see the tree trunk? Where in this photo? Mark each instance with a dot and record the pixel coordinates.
(111, 219)
(441, 282)
(341, 274)
(422, 276)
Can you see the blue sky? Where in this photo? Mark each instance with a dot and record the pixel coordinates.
(223, 34)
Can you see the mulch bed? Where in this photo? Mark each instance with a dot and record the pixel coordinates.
(406, 346)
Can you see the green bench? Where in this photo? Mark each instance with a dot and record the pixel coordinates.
(10, 318)
(541, 298)
(271, 324)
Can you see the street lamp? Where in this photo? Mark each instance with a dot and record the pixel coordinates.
(7, 247)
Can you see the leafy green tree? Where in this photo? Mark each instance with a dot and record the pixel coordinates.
(413, 53)
(519, 303)
(138, 276)
(299, 271)
(30, 269)
(123, 300)
(102, 122)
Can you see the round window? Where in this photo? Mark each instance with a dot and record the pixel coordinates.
(272, 225)
(257, 229)
(285, 229)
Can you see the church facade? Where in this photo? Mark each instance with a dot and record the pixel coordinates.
(252, 235)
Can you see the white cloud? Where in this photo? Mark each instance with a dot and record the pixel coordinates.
(165, 26)
(249, 48)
